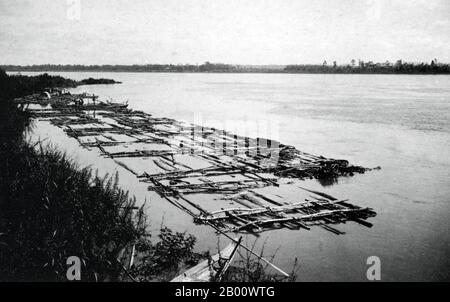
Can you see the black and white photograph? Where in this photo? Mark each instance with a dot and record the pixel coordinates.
(228, 142)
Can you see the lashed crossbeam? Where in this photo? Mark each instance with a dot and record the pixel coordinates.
(238, 169)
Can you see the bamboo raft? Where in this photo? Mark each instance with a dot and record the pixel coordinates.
(237, 170)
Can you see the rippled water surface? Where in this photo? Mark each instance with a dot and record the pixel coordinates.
(398, 122)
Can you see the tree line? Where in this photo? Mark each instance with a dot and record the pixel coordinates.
(399, 67)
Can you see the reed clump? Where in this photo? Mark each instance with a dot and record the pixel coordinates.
(248, 268)
(51, 210)
(163, 260)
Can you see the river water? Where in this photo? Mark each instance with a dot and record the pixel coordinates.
(398, 122)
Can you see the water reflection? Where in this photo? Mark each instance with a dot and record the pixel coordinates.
(327, 182)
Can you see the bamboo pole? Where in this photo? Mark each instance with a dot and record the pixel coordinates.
(249, 250)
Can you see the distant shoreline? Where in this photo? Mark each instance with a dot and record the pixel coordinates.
(236, 72)
(361, 67)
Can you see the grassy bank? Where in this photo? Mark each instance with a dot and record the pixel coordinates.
(51, 209)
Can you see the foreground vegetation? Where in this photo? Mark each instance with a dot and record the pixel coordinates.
(51, 209)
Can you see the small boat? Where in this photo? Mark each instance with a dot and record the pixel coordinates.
(213, 269)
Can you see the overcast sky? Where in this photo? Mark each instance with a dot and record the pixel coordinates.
(229, 31)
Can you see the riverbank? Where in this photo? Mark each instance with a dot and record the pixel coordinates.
(141, 146)
(52, 209)
(396, 122)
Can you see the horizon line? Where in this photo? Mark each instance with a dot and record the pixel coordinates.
(329, 62)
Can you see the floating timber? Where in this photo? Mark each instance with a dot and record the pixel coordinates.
(238, 171)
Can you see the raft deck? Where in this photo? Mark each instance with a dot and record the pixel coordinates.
(230, 182)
